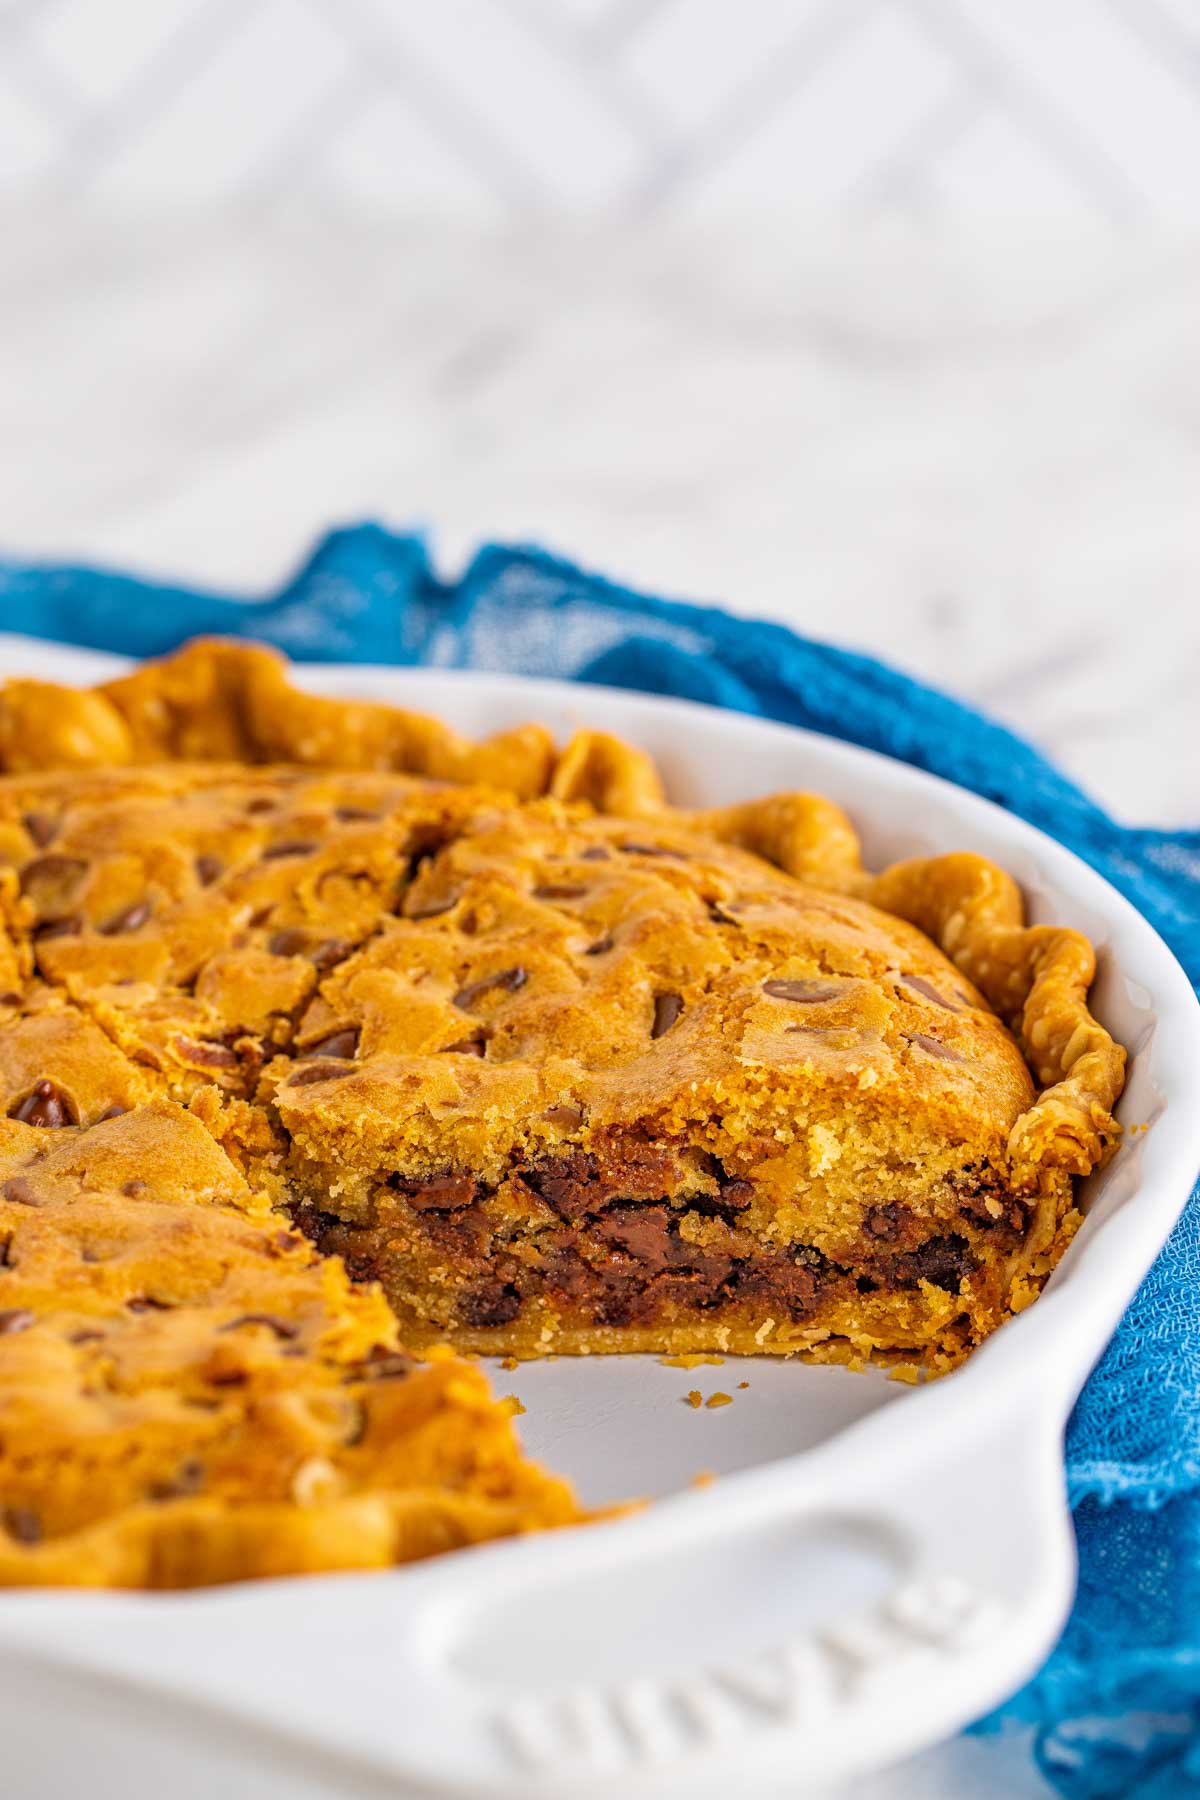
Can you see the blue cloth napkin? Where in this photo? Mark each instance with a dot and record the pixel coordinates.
(1132, 1646)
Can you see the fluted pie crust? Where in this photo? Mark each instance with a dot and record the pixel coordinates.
(328, 1035)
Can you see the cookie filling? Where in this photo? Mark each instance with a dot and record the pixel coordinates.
(594, 1244)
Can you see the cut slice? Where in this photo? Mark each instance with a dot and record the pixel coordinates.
(189, 1394)
(612, 1091)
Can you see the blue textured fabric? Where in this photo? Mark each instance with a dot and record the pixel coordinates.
(1132, 1647)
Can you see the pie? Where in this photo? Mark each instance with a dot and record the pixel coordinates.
(329, 1038)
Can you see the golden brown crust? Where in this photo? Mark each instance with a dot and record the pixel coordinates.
(609, 774)
(224, 702)
(804, 834)
(578, 1071)
(1037, 977)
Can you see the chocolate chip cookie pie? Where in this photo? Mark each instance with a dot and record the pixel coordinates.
(328, 1033)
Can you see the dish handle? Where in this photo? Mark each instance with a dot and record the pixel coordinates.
(814, 1618)
(796, 1624)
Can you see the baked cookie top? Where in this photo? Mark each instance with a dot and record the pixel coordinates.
(597, 939)
(406, 976)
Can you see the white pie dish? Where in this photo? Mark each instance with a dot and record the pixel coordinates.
(878, 1566)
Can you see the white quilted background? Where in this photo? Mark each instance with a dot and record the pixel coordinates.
(1079, 110)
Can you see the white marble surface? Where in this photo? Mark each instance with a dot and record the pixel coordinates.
(979, 461)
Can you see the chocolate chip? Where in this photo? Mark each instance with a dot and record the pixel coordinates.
(45, 1105)
(737, 1194)
(596, 853)
(318, 1072)
(710, 1206)
(208, 869)
(720, 915)
(560, 890)
(465, 1047)
(883, 1222)
(261, 804)
(53, 871)
(802, 993)
(920, 986)
(42, 828)
(507, 979)
(134, 1188)
(69, 926)
(21, 1191)
(567, 1117)
(205, 1055)
(495, 1303)
(228, 1378)
(329, 953)
(16, 1318)
(338, 1043)
(143, 1303)
(943, 1261)
(355, 815)
(22, 1523)
(282, 1329)
(131, 919)
(440, 1193)
(13, 999)
(292, 942)
(667, 1008)
(652, 850)
(933, 1047)
(112, 1112)
(601, 947)
(385, 1365)
(433, 909)
(289, 847)
(188, 1479)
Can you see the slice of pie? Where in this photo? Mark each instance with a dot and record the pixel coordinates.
(559, 1067)
(190, 1393)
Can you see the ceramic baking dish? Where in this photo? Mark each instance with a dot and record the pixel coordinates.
(875, 1566)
